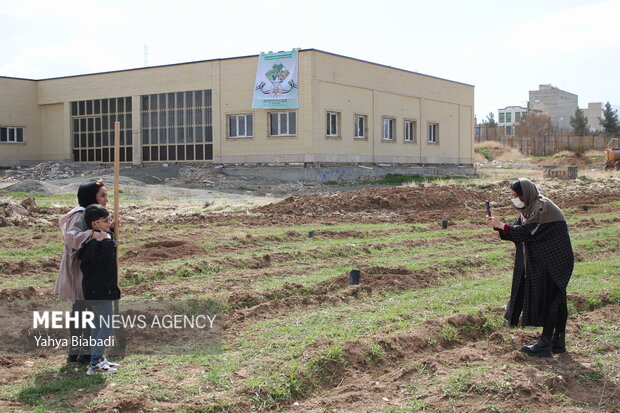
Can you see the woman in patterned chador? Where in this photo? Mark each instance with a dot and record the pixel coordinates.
(543, 266)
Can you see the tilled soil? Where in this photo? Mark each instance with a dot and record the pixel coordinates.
(496, 377)
(487, 371)
(424, 203)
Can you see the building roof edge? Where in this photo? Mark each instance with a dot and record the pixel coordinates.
(390, 67)
(239, 57)
(17, 78)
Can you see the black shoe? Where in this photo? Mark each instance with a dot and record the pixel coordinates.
(558, 343)
(541, 349)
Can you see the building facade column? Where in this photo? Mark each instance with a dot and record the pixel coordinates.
(136, 130)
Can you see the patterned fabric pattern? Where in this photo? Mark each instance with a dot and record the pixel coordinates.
(542, 251)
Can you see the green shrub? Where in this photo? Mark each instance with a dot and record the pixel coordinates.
(485, 151)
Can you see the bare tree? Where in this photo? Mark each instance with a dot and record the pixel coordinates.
(534, 125)
(489, 122)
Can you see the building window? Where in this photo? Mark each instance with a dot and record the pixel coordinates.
(282, 124)
(508, 117)
(501, 117)
(433, 133)
(388, 129)
(508, 130)
(410, 128)
(332, 123)
(240, 126)
(11, 134)
(177, 126)
(92, 129)
(517, 116)
(360, 126)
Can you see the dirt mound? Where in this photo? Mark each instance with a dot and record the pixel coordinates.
(571, 159)
(381, 279)
(162, 250)
(29, 266)
(24, 293)
(335, 290)
(392, 199)
(9, 361)
(135, 405)
(465, 371)
(22, 214)
(327, 234)
(492, 149)
(28, 186)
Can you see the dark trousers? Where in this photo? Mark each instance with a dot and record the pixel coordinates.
(82, 333)
(556, 314)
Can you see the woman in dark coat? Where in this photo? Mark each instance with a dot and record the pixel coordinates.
(543, 266)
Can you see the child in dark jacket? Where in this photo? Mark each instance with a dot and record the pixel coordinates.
(100, 283)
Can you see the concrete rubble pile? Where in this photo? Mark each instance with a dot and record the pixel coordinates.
(212, 178)
(51, 170)
(202, 175)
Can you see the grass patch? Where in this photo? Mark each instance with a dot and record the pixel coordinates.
(50, 250)
(485, 151)
(42, 200)
(54, 389)
(267, 390)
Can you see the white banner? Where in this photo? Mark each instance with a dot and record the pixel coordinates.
(276, 81)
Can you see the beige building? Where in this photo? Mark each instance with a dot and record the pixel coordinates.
(558, 104)
(350, 111)
(593, 112)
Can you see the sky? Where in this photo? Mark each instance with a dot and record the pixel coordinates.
(504, 49)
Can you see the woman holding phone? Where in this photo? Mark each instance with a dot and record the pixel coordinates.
(543, 266)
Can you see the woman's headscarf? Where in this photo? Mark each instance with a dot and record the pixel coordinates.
(87, 193)
(538, 209)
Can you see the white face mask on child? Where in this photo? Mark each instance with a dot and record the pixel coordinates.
(518, 203)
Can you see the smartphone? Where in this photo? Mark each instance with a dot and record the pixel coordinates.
(487, 204)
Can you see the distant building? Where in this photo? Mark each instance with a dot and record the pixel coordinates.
(593, 112)
(508, 117)
(558, 104)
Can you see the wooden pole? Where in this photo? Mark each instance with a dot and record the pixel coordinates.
(117, 134)
(121, 341)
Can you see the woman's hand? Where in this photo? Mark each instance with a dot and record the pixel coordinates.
(100, 235)
(494, 222)
(120, 223)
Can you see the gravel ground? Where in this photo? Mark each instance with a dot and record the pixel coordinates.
(205, 183)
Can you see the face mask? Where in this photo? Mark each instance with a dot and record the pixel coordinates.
(518, 203)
